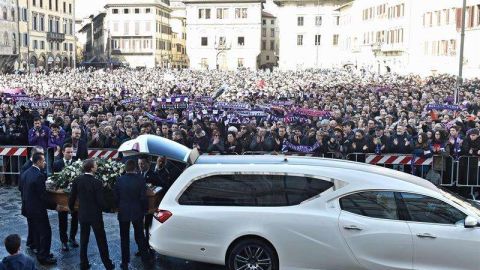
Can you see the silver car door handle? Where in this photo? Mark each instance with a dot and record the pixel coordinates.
(426, 235)
(352, 228)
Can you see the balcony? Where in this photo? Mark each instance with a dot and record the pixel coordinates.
(52, 36)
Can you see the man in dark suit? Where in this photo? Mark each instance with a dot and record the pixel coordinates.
(36, 205)
(58, 166)
(21, 184)
(80, 149)
(130, 196)
(89, 192)
(150, 177)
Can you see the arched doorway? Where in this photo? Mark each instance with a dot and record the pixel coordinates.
(58, 62)
(42, 61)
(33, 61)
(50, 61)
(222, 63)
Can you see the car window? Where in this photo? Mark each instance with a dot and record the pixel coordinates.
(430, 210)
(375, 204)
(253, 190)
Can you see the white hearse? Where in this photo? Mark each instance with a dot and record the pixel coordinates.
(276, 212)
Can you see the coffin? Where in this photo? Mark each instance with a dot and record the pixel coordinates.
(60, 197)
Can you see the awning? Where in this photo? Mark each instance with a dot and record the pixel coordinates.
(159, 146)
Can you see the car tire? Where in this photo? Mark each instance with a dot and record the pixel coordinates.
(254, 253)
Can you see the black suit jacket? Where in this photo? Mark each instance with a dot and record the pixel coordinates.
(21, 183)
(130, 197)
(35, 194)
(58, 165)
(89, 192)
(26, 166)
(151, 177)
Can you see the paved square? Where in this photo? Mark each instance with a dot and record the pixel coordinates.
(11, 221)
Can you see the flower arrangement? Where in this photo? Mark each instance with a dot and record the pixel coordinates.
(107, 172)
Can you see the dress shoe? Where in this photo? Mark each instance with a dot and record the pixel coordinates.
(73, 243)
(65, 247)
(48, 261)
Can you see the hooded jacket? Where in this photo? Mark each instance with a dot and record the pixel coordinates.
(17, 262)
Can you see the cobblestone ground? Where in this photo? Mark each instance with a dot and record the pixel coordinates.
(11, 221)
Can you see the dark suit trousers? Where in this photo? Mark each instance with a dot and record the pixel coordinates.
(42, 235)
(148, 224)
(139, 239)
(31, 233)
(63, 226)
(100, 236)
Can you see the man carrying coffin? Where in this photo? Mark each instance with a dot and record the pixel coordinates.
(89, 191)
(130, 196)
(58, 166)
(36, 205)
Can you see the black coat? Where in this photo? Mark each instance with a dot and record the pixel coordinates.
(151, 177)
(130, 197)
(58, 165)
(26, 166)
(35, 194)
(89, 192)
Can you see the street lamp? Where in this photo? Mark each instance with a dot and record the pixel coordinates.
(462, 45)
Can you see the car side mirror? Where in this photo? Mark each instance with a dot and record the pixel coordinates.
(471, 222)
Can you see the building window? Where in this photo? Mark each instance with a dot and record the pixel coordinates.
(299, 40)
(147, 26)
(25, 40)
(264, 45)
(115, 11)
(126, 28)
(64, 7)
(42, 23)
(272, 22)
(264, 22)
(71, 47)
(272, 45)
(318, 40)
(42, 45)
(56, 5)
(204, 13)
(264, 32)
(126, 11)
(35, 44)
(69, 8)
(222, 41)
(300, 21)
(241, 62)
(50, 4)
(272, 32)
(241, 41)
(335, 40)
(137, 28)
(34, 21)
(147, 10)
(204, 63)
(267, 58)
(34, 2)
(241, 13)
(137, 11)
(222, 13)
(65, 48)
(204, 41)
(318, 20)
(336, 20)
(115, 26)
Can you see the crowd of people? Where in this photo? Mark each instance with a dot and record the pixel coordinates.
(319, 111)
(334, 112)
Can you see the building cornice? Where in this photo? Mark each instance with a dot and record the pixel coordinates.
(221, 1)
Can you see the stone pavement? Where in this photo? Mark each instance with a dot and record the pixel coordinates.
(11, 221)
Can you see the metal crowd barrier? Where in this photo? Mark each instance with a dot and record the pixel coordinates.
(12, 158)
(441, 170)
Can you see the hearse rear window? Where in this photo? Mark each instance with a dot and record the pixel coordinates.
(253, 190)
